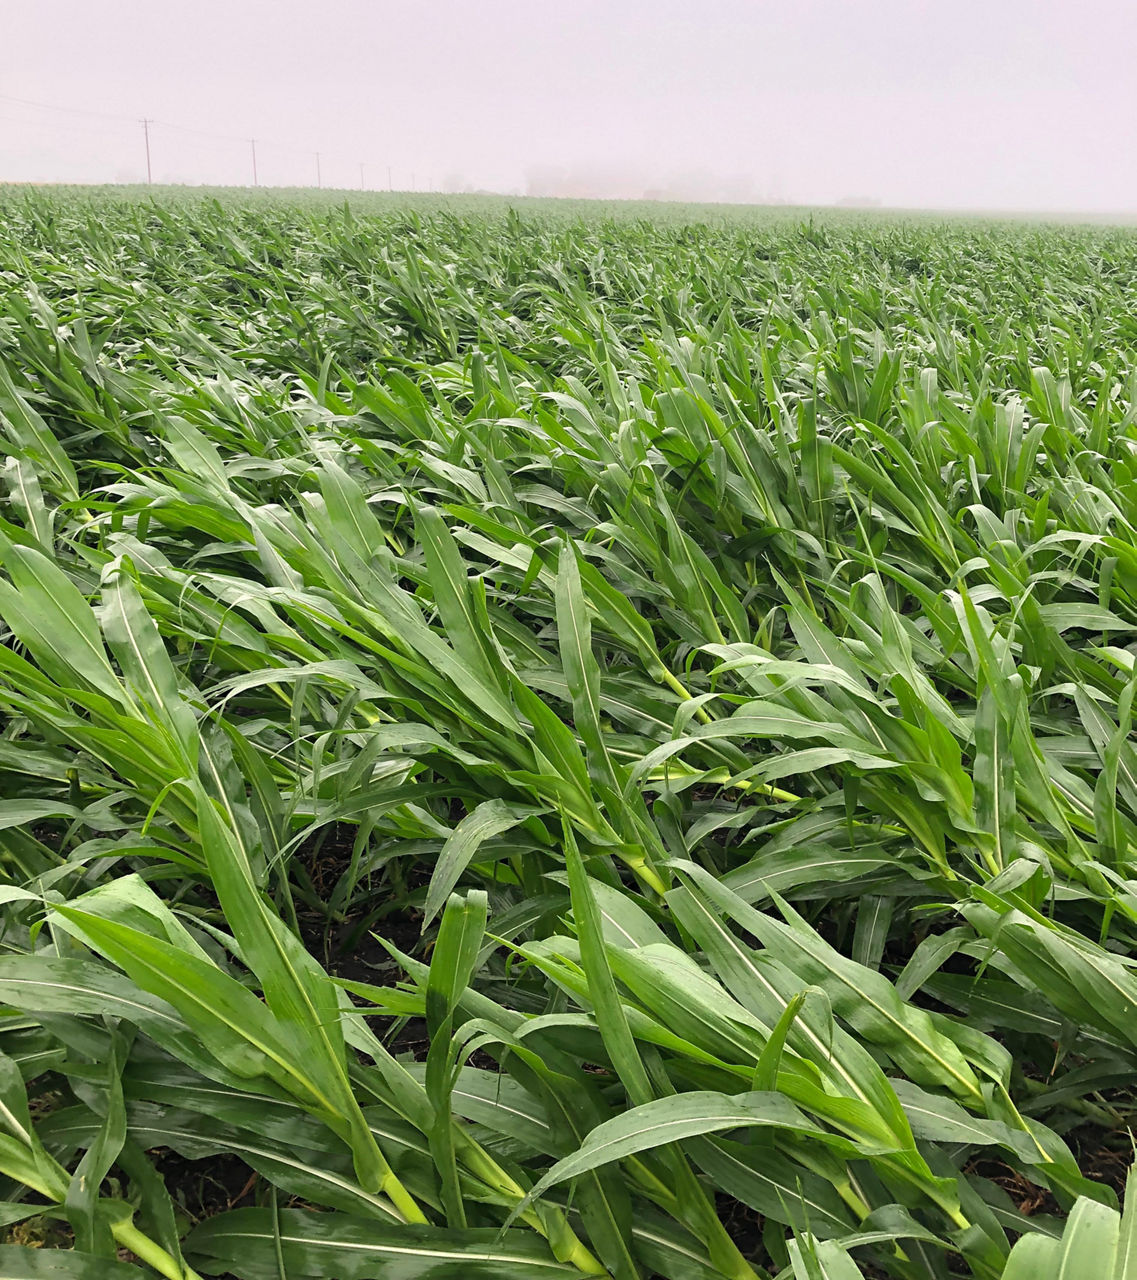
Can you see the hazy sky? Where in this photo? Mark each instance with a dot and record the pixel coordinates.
(1011, 104)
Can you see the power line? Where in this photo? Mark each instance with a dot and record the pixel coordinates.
(108, 115)
(77, 111)
(150, 122)
(202, 133)
(107, 131)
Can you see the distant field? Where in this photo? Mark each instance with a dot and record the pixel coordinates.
(660, 212)
(564, 739)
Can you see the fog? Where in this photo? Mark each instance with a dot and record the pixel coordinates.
(999, 104)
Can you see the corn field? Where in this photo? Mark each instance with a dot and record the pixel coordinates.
(537, 744)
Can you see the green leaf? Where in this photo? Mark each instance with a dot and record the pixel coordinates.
(19, 1262)
(451, 968)
(336, 1244)
(866, 999)
(668, 1120)
(145, 664)
(489, 819)
(574, 632)
(994, 780)
(49, 614)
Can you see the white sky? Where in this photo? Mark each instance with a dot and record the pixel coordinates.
(992, 104)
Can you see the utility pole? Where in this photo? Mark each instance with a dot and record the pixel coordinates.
(253, 144)
(413, 180)
(146, 134)
(319, 179)
(361, 183)
(389, 186)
